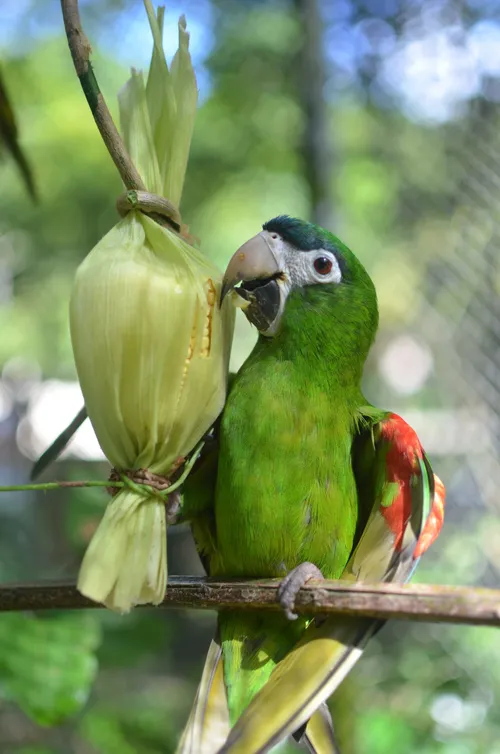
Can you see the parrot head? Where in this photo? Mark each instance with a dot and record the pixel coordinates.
(294, 266)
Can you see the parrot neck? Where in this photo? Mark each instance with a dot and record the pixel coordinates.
(333, 364)
(330, 346)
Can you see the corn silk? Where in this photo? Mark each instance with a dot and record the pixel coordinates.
(151, 344)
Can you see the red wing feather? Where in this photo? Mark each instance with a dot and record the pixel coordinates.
(434, 523)
(402, 466)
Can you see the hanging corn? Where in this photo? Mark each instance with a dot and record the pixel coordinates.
(151, 345)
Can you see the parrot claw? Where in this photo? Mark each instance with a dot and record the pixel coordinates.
(293, 583)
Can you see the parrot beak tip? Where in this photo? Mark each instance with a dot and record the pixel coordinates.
(227, 285)
(255, 266)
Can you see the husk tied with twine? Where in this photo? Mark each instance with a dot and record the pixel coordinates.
(151, 345)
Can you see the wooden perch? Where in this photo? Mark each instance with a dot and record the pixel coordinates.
(419, 602)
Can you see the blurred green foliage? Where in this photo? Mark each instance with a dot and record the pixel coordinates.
(48, 665)
(400, 183)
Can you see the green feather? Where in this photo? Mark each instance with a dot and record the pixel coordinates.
(427, 482)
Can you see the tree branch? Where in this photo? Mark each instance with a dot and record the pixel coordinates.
(317, 137)
(158, 208)
(80, 52)
(419, 602)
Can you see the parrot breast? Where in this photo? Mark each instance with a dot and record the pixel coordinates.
(286, 491)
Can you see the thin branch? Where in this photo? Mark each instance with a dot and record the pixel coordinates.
(80, 52)
(140, 488)
(158, 208)
(44, 486)
(419, 602)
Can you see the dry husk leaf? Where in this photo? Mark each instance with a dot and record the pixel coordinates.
(151, 344)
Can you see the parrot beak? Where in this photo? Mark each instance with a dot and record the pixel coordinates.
(256, 268)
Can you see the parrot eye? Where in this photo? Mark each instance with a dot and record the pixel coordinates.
(323, 265)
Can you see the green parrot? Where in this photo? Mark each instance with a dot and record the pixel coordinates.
(308, 480)
(305, 479)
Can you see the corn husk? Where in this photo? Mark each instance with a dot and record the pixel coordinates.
(151, 344)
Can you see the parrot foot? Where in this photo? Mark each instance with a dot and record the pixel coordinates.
(293, 583)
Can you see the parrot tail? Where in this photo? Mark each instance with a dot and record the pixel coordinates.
(317, 734)
(253, 644)
(208, 724)
(299, 685)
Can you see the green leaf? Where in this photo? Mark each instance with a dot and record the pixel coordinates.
(48, 665)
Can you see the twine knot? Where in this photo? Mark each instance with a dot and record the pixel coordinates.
(138, 476)
(157, 207)
(157, 484)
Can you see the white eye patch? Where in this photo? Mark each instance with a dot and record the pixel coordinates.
(312, 267)
(299, 268)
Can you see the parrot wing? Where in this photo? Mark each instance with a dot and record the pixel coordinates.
(401, 512)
